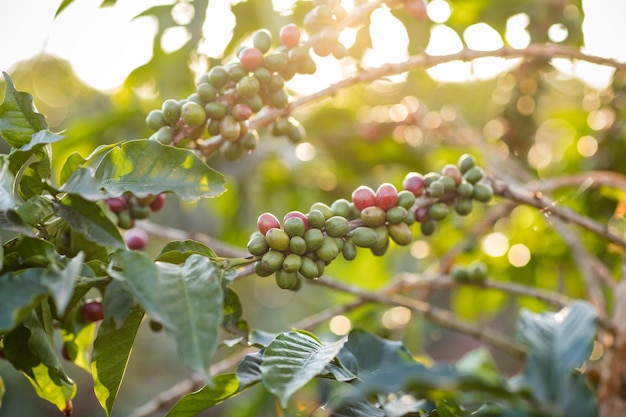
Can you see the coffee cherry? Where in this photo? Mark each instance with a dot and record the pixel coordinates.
(309, 268)
(373, 216)
(257, 246)
(158, 202)
(466, 162)
(124, 219)
(463, 206)
(314, 239)
(453, 172)
(341, 207)
(328, 251)
(318, 215)
(294, 226)
(136, 239)
(272, 260)
(473, 175)
(430, 178)
(421, 214)
(292, 262)
(241, 111)
(262, 40)
(396, 214)
(275, 83)
(400, 233)
(277, 239)
(300, 216)
(298, 53)
(206, 92)
(436, 189)
(276, 61)
(337, 226)
(230, 129)
(340, 51)
(298, 245)
(478, 271)
(155, 120)
(448, 183)
(348, 251)
(248, 86)
(155, 326)
(460, 273)
(251, 58)
(218, 77)
(164, 135)
(364, 237)
(363, 197)
(171, 111)
(438, 211)
(116, 204)
(482, 192)
(286, 280)
(279, 99)
(91, 311)
(414, 182)
(406, 199)
(231, 151)
(267, 221)
(260, 270)
(193, 114)
(289, 35)
(464, 190)
(386, 196)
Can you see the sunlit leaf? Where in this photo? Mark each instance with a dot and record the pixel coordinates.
(292, 360)
(111, 351)
(177, 251)
(222, 388)
(34, 211)
(147, 167)
(63, 6)
(72, 163)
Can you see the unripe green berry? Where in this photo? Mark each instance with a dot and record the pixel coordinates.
(216, 110)
(452, 171)
(298, 245)
(436, 189)
(124, 219)
(257, 246)
(313, 238)
(195, 98)
(260, 270)
(478, 271)
(164, 134)
(213, 127)
(298, 53)
(206, 92)
(155, 120)
(430, 178)
(482, 192)
(272, 260)
(364, 237)
(193, 114)
(382, 238)
(255, 103)
(466, 162)
(406, 199)
(263, 75)
(218, 77)
(276, 61)
(307, 66)
(292, 262)
(401, 233)
(248, 86)
(337, 226)
(262, 40)
(473, 175)
(230, 129)
(294, 226)
(448, 183)
(139, 212)
(279, 99)
(438, 211)
(410, 217)
(340, 243)
(373, 216)
(464, 190)
(341, 207)
(463, 206)
(396, 214)
(275, 83)
(171, 111)
(427, 227)
(380, 250)
(309, 268)
(250, 141)
(329, 250)
(348, 251)
(277, 239)
(460, 273)
(286, 280)
(236, 71)
(326, 211)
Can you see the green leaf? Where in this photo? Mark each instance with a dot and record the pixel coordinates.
(249, 369)
(118, 302)
(25, 252)
(19, 294)
(111, 351)
(177, 251)
(63, 6)
(145, 167)
(359, 409)
(61, 282)
(34, 211)
(373, 353)
(72, 163)
(222, 388)
(88, 218)
(141, 275)
(292, 360)
(232, 314)
(81, 182)
(191, 298)
(31, 351)
(7, 199)
(18, 119)
(42, 137)
(559, 344)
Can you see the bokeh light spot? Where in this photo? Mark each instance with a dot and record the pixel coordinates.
(340, 325)
(495, 244)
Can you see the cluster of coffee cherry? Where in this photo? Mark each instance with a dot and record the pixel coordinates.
(305, 243)
(129, 208)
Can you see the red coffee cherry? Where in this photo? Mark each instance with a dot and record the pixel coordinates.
(251, 58)
(414, 182)
(136, 239)
(299, 215)
(386, 196)
(290, 35)
(116, 204)
(158, 202)
(91, 311)
(363, 197)
(267, 221)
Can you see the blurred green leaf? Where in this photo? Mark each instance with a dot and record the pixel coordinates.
(222, 387)
(249, 369)
(292, 360)
(18, 119)
(2, 390)
(63, 6)
(111, 351)
(233, 311)
(373, 353)
(19, 294)
(61, 282)
(7, 200)
(190, 297)
(34, 211)
(145, 167)
(177, 251)
(31, 350)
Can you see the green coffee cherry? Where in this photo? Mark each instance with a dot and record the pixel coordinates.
(448, 183)
(478, 271)
(124, 219)
(258, 246)
(292, 262)
(373, 216)
(139, 212)
(382, 238)
(401, 233)
(248, 86)
(263, 75)
(430, 178)
(231, 151)
(275, 83)
(465, 189)
(341, 208)
(294, 226)
(427, 227)
(276, 61)
(364, 237)
(155, 120)
(193, 114)
(349, 251)
(313, 238)
(396, 214)
(218, 77)
(195, 98)
(482, 192)
(215, 110)
(380, 250)
(298, 245)
(230, 129)
(206, 92)
(463, 206)
(277, 239)
(436, 189)
(328, 251)
(250, 141)
(171, 111)
(326, 211)
(260, 270)
(406, 199)
(272, 260)
(473, 175)
(164, 134)
(286, 280)
(236, 71)
(262, 40)
(340, 242)
(438, 211)
(337, 226)
(460, 273)
(309, 269)
(466, 162)
(279, 99)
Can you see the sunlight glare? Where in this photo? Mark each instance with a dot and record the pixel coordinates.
(174, 38)
(519, 255)
(482, 37)
(390, 42)
(516, 34)
(439, 11)
(305, 151)
(396, 317)
(218, 29)
(495, 244)
(443, 41)
(587, 146)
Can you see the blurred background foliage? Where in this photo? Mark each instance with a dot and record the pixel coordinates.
(532, 122)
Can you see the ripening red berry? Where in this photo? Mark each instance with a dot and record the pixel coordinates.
(267, 221)
(136, 239)
(116, 204)
(91, 311)
(241, 112)
(386, 196)
(417, 9)
(363, 197)
(290, 35)
(2, 355)
(299, 215)
(65, 354)
(158, 202)
(414, 182)
(251, 58)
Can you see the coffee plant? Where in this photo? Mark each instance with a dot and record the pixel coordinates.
(444, 249)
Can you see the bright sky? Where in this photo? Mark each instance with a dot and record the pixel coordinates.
(103, 45)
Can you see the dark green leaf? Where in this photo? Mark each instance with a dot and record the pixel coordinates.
(25, 251)
(34, 211)
(111, 351)
(18, 119)
(559, 344)
(61, 282)
(63, 6)
(191, 299)
(118, 302)
(31, 351)
(249, 369)
(222, 388)
(373, 353)
(88, 218)
(19, 294)
(292, 360)
(232, 314)
(145, 167)
(177, 251)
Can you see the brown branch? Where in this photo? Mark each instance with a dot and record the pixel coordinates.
(582, 179)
